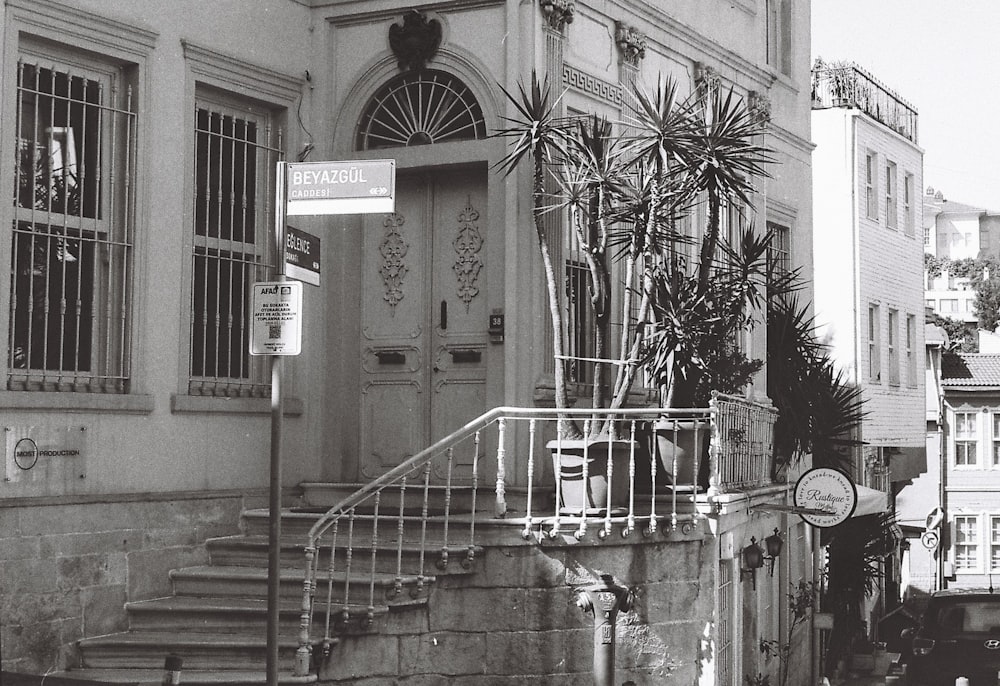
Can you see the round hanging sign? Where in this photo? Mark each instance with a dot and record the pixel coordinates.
(830, 490)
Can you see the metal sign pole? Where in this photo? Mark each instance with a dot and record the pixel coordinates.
(274, 502)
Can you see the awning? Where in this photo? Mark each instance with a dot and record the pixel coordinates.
(870, 501)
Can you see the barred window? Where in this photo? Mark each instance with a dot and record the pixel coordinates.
(235, 156)
(73, 227)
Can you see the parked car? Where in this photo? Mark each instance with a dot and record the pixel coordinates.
(958, 636)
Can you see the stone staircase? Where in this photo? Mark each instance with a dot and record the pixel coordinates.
(216, 618)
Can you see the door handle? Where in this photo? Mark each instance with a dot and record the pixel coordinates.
(444, 315)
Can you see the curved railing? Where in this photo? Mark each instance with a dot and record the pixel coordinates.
(441, 520)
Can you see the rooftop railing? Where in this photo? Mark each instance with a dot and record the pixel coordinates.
(844, 84)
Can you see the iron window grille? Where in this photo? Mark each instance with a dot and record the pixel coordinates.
(73, 230)
(235, 156)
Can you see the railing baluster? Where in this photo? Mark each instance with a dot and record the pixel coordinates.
(349, 558)
(303, 653)
(421, 579)
(605, 530)
(526, 532)
(327, 638)
(470, 555)
(581, 530)
(397, 585)
(630, 522)
(370, 619)
(501, 483)
(442, 563)
(554, 531)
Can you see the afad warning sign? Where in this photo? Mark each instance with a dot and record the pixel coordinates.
(277, 318)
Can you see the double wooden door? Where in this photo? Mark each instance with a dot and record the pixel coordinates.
(424, 324)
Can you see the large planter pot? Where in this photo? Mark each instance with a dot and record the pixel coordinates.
(575, 495)
(682, 449)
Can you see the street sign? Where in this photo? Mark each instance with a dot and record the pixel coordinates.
(302, 255)
(350, 187)
(930, 539)
(277, 318)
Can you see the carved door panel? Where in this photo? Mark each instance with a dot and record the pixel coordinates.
(424, 319)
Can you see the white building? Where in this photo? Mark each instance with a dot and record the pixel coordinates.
(868, 259)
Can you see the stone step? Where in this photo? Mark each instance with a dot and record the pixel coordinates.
(199, 651)
(213, 581)
(242, 615)
(326, 495)
(189, 677)
(489, 530)
(252, 551)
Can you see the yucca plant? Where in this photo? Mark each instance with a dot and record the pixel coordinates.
(538, 136)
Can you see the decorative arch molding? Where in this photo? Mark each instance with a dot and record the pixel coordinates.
(384, 68)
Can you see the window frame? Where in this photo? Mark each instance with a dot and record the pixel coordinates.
(912, 374)
(219, 75)
(891, 201)
(871, 185)
(244, 261)
(874, 344)
(101, 245)
(892, 346)
(993, 521)
(969, 539)
(909, 209)
(965, 437)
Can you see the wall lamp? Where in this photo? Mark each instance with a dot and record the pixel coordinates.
(754, 557)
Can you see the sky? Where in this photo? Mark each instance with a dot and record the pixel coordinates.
(942, 58)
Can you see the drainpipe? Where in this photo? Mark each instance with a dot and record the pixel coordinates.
(604, 601)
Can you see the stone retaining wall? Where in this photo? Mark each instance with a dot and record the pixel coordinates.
(67, 570)
(516, 621)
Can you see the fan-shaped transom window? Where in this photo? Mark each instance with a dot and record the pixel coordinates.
(419, 108)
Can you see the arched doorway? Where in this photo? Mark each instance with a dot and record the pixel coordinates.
(424, 316)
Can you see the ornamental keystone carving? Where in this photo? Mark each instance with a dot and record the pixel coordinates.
(468, 243)
(558, 13)
(393, 249)
(631, 42)
(415, 41)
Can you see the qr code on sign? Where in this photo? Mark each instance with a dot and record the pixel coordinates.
(274, 331)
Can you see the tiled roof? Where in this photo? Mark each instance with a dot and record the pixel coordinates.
(970, 370)
(935, 334)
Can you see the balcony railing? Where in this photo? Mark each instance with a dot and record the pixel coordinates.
(394, 532)
(848, 85)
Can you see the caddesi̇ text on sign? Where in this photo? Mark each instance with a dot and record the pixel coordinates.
(349, 187)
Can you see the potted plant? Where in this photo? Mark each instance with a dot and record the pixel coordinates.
(636, 197)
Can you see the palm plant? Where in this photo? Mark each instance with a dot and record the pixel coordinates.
(539, 136)
(627, 198)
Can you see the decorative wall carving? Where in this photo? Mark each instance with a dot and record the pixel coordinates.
(468, 244)
(415, 41)
(706, 78)
(558, 13)
(760, 104)
(631, 42)
(393, 249)
(575, 78)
